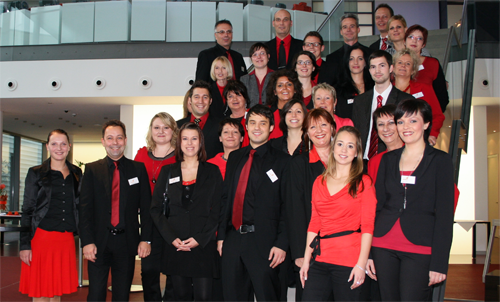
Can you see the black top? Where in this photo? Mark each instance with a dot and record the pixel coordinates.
(187, 192)
(281, 143)
(207, 56)
(123, 185)
(218, 108)
(60, 216)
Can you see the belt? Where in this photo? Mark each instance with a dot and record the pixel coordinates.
(116, 231)
(316, 246)
(246, 229)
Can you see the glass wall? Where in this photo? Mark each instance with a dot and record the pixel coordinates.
(7, 162)
(31, 155)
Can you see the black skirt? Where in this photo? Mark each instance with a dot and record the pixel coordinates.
(199, 262)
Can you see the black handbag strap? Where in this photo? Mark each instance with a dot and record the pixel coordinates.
(165, 196)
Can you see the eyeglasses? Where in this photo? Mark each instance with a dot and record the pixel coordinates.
(257, 54)
(315, 44)
(412, 37)
(304, 63)
(221, 32)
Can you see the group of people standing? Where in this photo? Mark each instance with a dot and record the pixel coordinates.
(263, 182)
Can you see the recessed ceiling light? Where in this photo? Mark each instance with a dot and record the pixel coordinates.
(494, 131)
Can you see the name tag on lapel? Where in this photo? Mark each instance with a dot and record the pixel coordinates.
(418, 95)
(410, 180)
(420, 67)
(350, 101)
(174, 180)
(133, 181)
(272, 175)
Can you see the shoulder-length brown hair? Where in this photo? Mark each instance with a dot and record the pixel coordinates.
(313, 116)
(355, 178)
(166, 119)
(202, 154)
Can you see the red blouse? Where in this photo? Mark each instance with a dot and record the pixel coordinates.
(153, 167)
(373, 165)
(428, 71)
(424, 91)
(341, 212)
(219, 162)
(277, 131)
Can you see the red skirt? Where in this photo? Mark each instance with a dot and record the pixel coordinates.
(53, 266)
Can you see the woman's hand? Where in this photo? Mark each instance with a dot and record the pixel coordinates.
(179, 244)
(432, 140)
(357, 275)
(435, 278)
(220, 243)
(370, 268)
(190, 243)
(303, 272)
(299, 262)
(26, 256)
(277, 256)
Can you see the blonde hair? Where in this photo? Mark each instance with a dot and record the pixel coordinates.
(169, 121)
(326, 87)
(225, 62)
(413, 56)
(397, 18)
(356, 173)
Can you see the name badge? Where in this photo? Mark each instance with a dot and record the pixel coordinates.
(272, 175)
(420, 67)
(418, 95)
(242, 69)
(350, 101)
(174, 180)
(133, 181)
(410, 180)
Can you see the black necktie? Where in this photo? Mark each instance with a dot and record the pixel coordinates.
(282, 56)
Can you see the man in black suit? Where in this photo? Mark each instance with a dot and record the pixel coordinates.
(383, 13)
(199, 100)
(383, 93)
(334, 64)
(224, 38)
(283, 47)
(113, 191)
(252, 235)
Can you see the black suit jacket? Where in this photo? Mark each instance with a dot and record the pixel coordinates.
(295, 47)
(210, 133)
(95, 204)
(218, 108)
(301, 175)
(375, 45)
(334, 64)
(207, 56)
(428, 217)
(362, 112)
(269, 211)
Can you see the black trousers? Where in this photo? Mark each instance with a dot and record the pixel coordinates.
(151, 269)
(325, 278)
(122, 264)
(245, 271)
(187, 288)
(402, 276)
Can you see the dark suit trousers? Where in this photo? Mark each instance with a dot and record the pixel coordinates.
(244, 269)
(116, 257)
(151, 268)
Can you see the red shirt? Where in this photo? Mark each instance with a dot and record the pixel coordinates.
(340, 212)
(373, 165)
(341, 122)
(221, 90)
(153, 167)
(219, 162)
(277, 131)
(288, 42)
(202, 122)
(426, 92)
(261, 84)
(428, 74)
(314, 156)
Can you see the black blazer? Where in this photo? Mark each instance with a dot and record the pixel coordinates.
(201, 219)
(37, 196)
(207, 56)
(95, 204)
(334, 64)
(218, 108)
(375, 45)
(301, 175)
(428, 217)
(295, 47)
(362, 112)
(269, 218)
(210, 133)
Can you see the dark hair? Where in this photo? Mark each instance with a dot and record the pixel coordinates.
(271, 97)
(349, 16)
(415, 106)
(381, 5)
(113, 123)
(238, 88)
(315, 34)
(223, 21)
(313, 60)
(263, 110)
(257, 46)
(388, 109)
(314, 115)
(284, 111)
(233, 122)
(415, 27)
(57, 131)
(347, 85)
(200, 84)
(379, 54)
(202, 154)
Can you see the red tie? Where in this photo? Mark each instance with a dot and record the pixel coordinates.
(115, 197)
(384, 44)
(374, 137)
(232, 64)
(239, 198)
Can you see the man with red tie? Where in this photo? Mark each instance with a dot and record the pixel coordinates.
(224, 38)
(283, 47)
(114, 190)
(383, 13)
(252, 236)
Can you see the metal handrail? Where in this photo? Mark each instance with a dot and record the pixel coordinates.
(330, 15)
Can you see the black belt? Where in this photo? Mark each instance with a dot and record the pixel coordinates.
(116, 231)
(316, 246)
(246, 229)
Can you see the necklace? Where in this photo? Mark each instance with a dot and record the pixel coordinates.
(153, 180)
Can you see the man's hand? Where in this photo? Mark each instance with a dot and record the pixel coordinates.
(277, 256)
(220, 243)
(144, 249)
(89, 252)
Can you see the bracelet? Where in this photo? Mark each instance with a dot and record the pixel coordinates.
(360, 268)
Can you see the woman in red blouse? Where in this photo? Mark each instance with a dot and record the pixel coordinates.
(341, 227)
(306, 69)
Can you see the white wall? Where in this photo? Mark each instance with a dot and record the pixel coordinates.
(87, 152)
(425, 13)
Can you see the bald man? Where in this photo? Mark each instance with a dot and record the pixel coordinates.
(284, 47)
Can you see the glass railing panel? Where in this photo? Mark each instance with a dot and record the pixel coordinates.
(330, 29)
